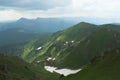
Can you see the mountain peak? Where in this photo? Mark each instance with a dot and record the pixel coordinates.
(24, 19)
(21, 19)
(83, 22)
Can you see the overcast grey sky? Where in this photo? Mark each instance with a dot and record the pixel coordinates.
(15, 9)
(33, 4)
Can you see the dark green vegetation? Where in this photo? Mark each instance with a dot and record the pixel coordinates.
(26, 50)
(76, 46)
(84, 45)
(101, 68)
(14, 68)
(18, 35)
(72, 47)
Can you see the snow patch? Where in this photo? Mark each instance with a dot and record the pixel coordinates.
(38, 61)
(50, 69)
(53, 59)
(39, 48)
(64, 72)
(67, 72)
(72, 41)
(49, 58)
(66, 42)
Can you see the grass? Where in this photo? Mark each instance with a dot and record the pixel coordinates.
(14, 68)
(105, 68)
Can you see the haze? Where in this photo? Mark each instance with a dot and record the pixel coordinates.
(98, 9)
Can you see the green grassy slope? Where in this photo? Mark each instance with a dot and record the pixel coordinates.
(102, 68)
(26, 50)
(13, 68)
(94, 45)
(73, 47)
(77, 45)
(77, 33)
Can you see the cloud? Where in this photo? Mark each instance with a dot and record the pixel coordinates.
(6, 15)
(75, 8)
(97, 8)
(33, 4)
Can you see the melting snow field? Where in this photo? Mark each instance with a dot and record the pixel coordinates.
(65, 72)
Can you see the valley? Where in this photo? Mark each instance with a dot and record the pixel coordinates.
(59, 40)
(83, 51)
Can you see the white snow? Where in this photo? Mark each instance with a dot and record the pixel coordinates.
(39, 48)
(78, 42)
(72, 41)
(49, 58)
(50, 69)
(66, 42)
(65, 72)
(38, 61)
(53, 59)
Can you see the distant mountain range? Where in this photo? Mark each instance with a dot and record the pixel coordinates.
(18, 35)
(24, 29)
(40, 24)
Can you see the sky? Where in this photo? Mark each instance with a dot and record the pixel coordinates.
(101, 9)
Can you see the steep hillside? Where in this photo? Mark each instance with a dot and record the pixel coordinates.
(63, 43)
(84, 45)
(71, 48)
(77, 32)
(93, 45)
(26, 50)
(101, 68)
(77, 45)
(13, 68)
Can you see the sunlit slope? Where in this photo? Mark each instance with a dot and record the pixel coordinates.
(77, 45)
(63, 43)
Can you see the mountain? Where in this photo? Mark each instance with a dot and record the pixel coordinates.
(30, 47)
(24, 29)
(76, 46)
(87, 46)
(40, 24)
(101, 68)
(73, 47)
(1, 24)
(26, 48)
(14, 68)
(18, 35)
